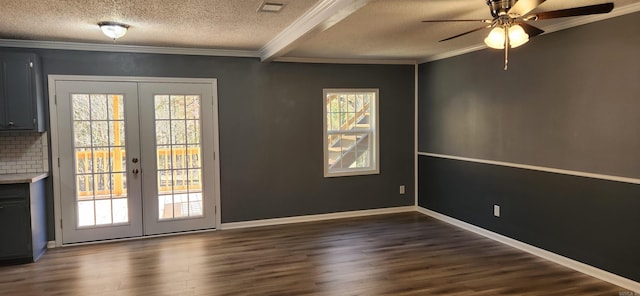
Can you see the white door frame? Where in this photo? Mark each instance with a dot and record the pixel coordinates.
(53, 130)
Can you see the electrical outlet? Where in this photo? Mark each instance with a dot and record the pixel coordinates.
(402, 189)
(496, 210)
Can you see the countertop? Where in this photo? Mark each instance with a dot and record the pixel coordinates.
(22, 178)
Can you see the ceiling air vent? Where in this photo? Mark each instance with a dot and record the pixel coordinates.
(270, 7)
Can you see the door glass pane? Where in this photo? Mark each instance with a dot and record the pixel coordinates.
(120, 210)
(192, 106)
(195, 206)
(193, 131)
(103, 211)
(163, 129)
(165, 207)
(99, 138)
(83, 133)
(86, 213)
(178, 150)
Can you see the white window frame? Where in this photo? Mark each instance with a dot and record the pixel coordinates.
(374, 147)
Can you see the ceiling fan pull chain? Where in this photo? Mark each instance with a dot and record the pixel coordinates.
(506, 48)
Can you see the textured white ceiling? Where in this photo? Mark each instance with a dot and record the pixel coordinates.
(219, 24)
(382, 29)
(390, 30)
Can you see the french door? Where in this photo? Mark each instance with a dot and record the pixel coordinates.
(135, 158)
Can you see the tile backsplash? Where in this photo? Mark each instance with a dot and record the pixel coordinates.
(23, 153)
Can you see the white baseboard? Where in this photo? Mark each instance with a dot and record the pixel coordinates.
(51, 244)
(553, 257)
(318, 217)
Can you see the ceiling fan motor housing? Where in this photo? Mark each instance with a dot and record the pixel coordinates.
(500, 7)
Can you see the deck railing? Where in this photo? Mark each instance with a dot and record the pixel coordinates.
(93, 169)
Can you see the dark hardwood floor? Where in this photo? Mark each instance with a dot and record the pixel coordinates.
(398, 254)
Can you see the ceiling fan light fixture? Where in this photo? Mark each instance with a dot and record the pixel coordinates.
(517, 36)
(113, 30)
(509, 23)
(495, 38)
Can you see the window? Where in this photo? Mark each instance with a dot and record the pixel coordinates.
(350, 132)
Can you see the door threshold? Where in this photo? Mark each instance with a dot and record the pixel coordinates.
(124, 239)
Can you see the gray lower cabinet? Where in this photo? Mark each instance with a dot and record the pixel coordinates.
(21, 97)
(22, 222)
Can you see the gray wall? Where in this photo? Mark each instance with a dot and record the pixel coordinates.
(589, 220)
(271, 148)
(570, 100)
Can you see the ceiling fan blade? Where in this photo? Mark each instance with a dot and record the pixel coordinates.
(445, 21)
(523, 7)
(465, 33)
(532, 31)
(584, 10)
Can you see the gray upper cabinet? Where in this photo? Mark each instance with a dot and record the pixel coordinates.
(21, 99)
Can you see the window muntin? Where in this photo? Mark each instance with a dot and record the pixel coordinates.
(350, 132)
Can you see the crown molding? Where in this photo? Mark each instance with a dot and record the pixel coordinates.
(126, 48)
(569, 23)
(320, 17)
(346, 61)
(453, 53)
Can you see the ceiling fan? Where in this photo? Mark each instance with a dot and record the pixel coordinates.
(510, 22)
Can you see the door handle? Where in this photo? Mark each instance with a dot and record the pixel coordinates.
(135, 171)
